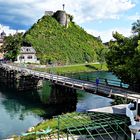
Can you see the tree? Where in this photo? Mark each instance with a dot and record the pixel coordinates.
(12, 45)
(123, 59)
(101, 53)
(136, 27)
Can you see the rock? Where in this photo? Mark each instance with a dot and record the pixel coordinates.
(30, 129)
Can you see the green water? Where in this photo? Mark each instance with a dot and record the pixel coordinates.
(19, 111)
(102, 75)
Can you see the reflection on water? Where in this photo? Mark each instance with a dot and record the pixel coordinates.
(19, 111)
(15, 117)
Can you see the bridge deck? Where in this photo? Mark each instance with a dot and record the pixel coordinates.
(103, 90)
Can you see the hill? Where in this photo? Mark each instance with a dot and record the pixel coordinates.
(62, 45)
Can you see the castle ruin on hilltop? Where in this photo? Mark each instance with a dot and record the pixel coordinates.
(61, 16)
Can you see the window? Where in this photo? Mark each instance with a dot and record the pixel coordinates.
(21, 57)
(27, 50)
(29, 57)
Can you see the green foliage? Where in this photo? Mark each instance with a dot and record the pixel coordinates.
(101, 53)
(45, 92)
(70, 17)
(60, 45)
(74, 68)
(123, 59)
(120, 100)
(74, 117)
(12, 45)
(136, 27)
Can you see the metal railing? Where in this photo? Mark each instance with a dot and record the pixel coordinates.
(73, 83)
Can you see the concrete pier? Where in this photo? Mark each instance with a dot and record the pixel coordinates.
(116, 109)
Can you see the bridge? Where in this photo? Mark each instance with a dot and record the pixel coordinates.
(106, 90)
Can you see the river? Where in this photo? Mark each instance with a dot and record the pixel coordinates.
(19, 111)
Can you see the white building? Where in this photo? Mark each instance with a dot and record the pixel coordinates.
(27, 55)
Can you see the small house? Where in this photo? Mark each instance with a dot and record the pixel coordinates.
(27, 55)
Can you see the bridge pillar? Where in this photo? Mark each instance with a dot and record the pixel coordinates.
(61, 94)
(7, 78)
(18, 81)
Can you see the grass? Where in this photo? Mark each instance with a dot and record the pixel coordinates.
(89, 67)
(70, 118)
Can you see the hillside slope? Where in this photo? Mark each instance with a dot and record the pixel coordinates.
(58, 44)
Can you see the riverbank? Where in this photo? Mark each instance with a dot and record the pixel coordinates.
(53, 124)
(78, 125)
(87, 67)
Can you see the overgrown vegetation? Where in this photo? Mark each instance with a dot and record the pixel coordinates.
(71, 118)
(120, 100)
(124, 56)
(12, 45)
(60, 45)
(56, 44)
(90, 67)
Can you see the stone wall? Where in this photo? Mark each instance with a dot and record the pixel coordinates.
(61, 16)
(49, 13)
(18, 81)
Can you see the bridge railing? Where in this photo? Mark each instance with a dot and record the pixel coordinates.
(105, 81)
(74, 82)
(117, 83)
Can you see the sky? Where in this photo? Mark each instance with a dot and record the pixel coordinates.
(97, 17)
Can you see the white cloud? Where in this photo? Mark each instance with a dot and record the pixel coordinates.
(100, 9)
(26, 12)
(8, 30)
(106, 35)
(30, 10)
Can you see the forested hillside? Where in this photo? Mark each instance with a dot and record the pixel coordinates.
(57, 44)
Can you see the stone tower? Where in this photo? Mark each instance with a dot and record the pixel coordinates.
(61, 17)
